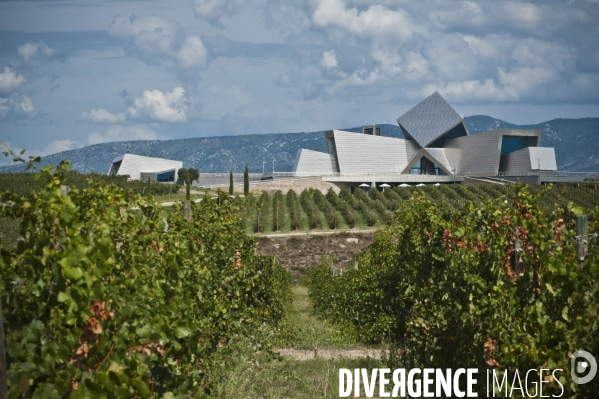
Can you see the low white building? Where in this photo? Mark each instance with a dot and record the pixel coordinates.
(137, 167)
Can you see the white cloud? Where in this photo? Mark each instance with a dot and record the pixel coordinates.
(130, 27)
(150, 35)
(451, 58)
(376, 22)
(35, 53)
(59, 146)
(214, 10)
(17, 107)
(192, 53)
(329, 59)
(217, 101)
(156, 39)
(123, 133)
(524, 80)
(525, 13)
(511, 86)
(102, 116)
(10, 80)
(471, 90)
(158, 106)
(287, 17)
(490, 46)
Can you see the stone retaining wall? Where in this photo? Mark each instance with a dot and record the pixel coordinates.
(298, 185)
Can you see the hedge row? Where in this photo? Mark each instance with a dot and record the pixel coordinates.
(104, 297)
(445, 287)
(342, 207)
(294, 210)
(310, 209)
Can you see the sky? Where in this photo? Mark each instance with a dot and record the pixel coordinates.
(76, 73)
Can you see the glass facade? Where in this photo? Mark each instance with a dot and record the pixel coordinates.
(458, 131)
(425, 166)
(515, 143)
(168, 176)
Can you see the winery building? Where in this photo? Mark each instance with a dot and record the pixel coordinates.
(437, 147)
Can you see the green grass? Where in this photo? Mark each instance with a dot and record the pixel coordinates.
(175, 197)
(306, 331)
(258, 373)
(284, 378)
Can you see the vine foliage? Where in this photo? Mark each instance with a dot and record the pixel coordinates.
(103, 296)
(444, 286)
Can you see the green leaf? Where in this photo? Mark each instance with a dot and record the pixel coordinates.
(46, 391)
(565, 313)
(63, 297)
(181, 332)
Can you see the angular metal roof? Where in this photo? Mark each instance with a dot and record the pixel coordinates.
(436, 155)
(428, 120)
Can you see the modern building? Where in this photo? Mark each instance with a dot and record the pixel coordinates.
(138, 167)
(437, 147)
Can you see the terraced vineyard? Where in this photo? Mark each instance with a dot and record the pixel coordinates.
(311, 210)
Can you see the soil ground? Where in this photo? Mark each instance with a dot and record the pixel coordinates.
(297, 253)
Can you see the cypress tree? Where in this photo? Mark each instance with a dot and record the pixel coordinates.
(231, 183)
(246, 181)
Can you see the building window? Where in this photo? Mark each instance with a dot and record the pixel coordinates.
(425, 166)
(373, 130)
(166, 176)
(514, 143)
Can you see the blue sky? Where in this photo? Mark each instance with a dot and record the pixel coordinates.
(75, 73)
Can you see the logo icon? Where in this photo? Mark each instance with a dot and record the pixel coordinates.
(578, 367)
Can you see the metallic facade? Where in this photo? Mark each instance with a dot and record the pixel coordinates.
(437, 142)
(429, 120)
(361, 153)
(312, 163)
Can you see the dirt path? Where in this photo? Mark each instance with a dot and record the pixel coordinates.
(300, 252)
(299, 354)
(315, 233)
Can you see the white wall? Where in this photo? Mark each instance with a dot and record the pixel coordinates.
(133, 165)
(361, 153)
(312, 163)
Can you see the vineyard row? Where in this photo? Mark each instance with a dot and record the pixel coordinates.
(312, 210)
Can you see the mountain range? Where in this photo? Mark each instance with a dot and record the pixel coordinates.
(576, 143)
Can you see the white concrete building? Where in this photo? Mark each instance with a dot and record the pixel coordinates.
(138, 167)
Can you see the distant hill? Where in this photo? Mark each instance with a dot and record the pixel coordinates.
(576, 143)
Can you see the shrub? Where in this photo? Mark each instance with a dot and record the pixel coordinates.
(294, 210)
(322, 203)
(278, 211)
(310, 209)
(342, 206)
(102, 298)
(262, 210)
(444, 287)
(363, 204)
